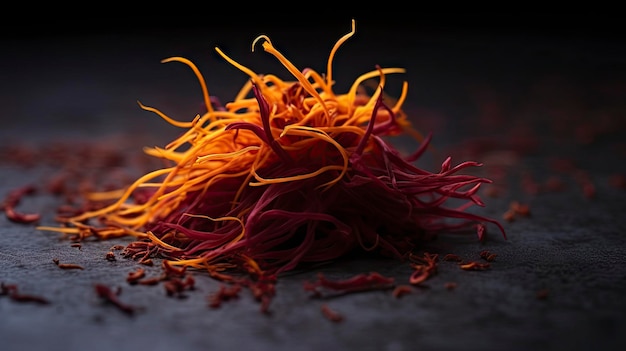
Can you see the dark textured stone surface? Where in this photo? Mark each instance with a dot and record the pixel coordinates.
(70, 88)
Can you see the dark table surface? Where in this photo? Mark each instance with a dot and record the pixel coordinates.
(545, 105)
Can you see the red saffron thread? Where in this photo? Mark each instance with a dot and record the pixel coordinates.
(288, 173)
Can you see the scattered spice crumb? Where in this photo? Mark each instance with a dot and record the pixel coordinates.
(481, 230)
(12, 200)
(11, 291)
(109, 296)
(331, 314)
(554, 184)
(401, 290)
(423, 267)
(474, 266)
(509, 215)
(147, 262)
(29, 298)
(488, 256)
(357, 283)
(223, 294)
(134, 276)
(66, 265)
(7, 289)
(450, 285)
(171, 270)
(520, 209)
(176, 287)
(110, 256)
(516, 209)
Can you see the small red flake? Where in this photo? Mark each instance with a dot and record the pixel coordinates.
(401, 290)
(554, 184)
(488, 256)
(134, 276)
(12, 200)
(174, 287)
(481, 229)
(360, 282)
(147, 262)
(29, 298)
(519, 208)
(263, 289)
(7, 289)
(331, 314)
(10, 290)
(494, 191)
(171, 270)
(516, 209)
(225, 293)
(66, 265)
(108, 295)
(474, 266)
(508, 216)
(424, 267)
(24, 218)
(450, 285)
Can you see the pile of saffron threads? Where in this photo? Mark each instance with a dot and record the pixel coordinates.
(286, 174)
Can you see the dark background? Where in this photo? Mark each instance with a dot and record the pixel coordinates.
(519, 91)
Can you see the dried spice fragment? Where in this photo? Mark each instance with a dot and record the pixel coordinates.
(331, 314)
(224, 293)
(136, 275)
(112, 297)
(424, 267)
(450, 285)
(12, 200)
(488, 256)
(263, 288)
(519, 208)
(110, 256)
(7, 289)
(29, 298)
(515, 210)
(401, 290)
(11, 291)
(67, 265)
(474, 266)
(357, 283)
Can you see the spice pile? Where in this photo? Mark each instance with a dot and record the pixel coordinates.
(289, 173)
